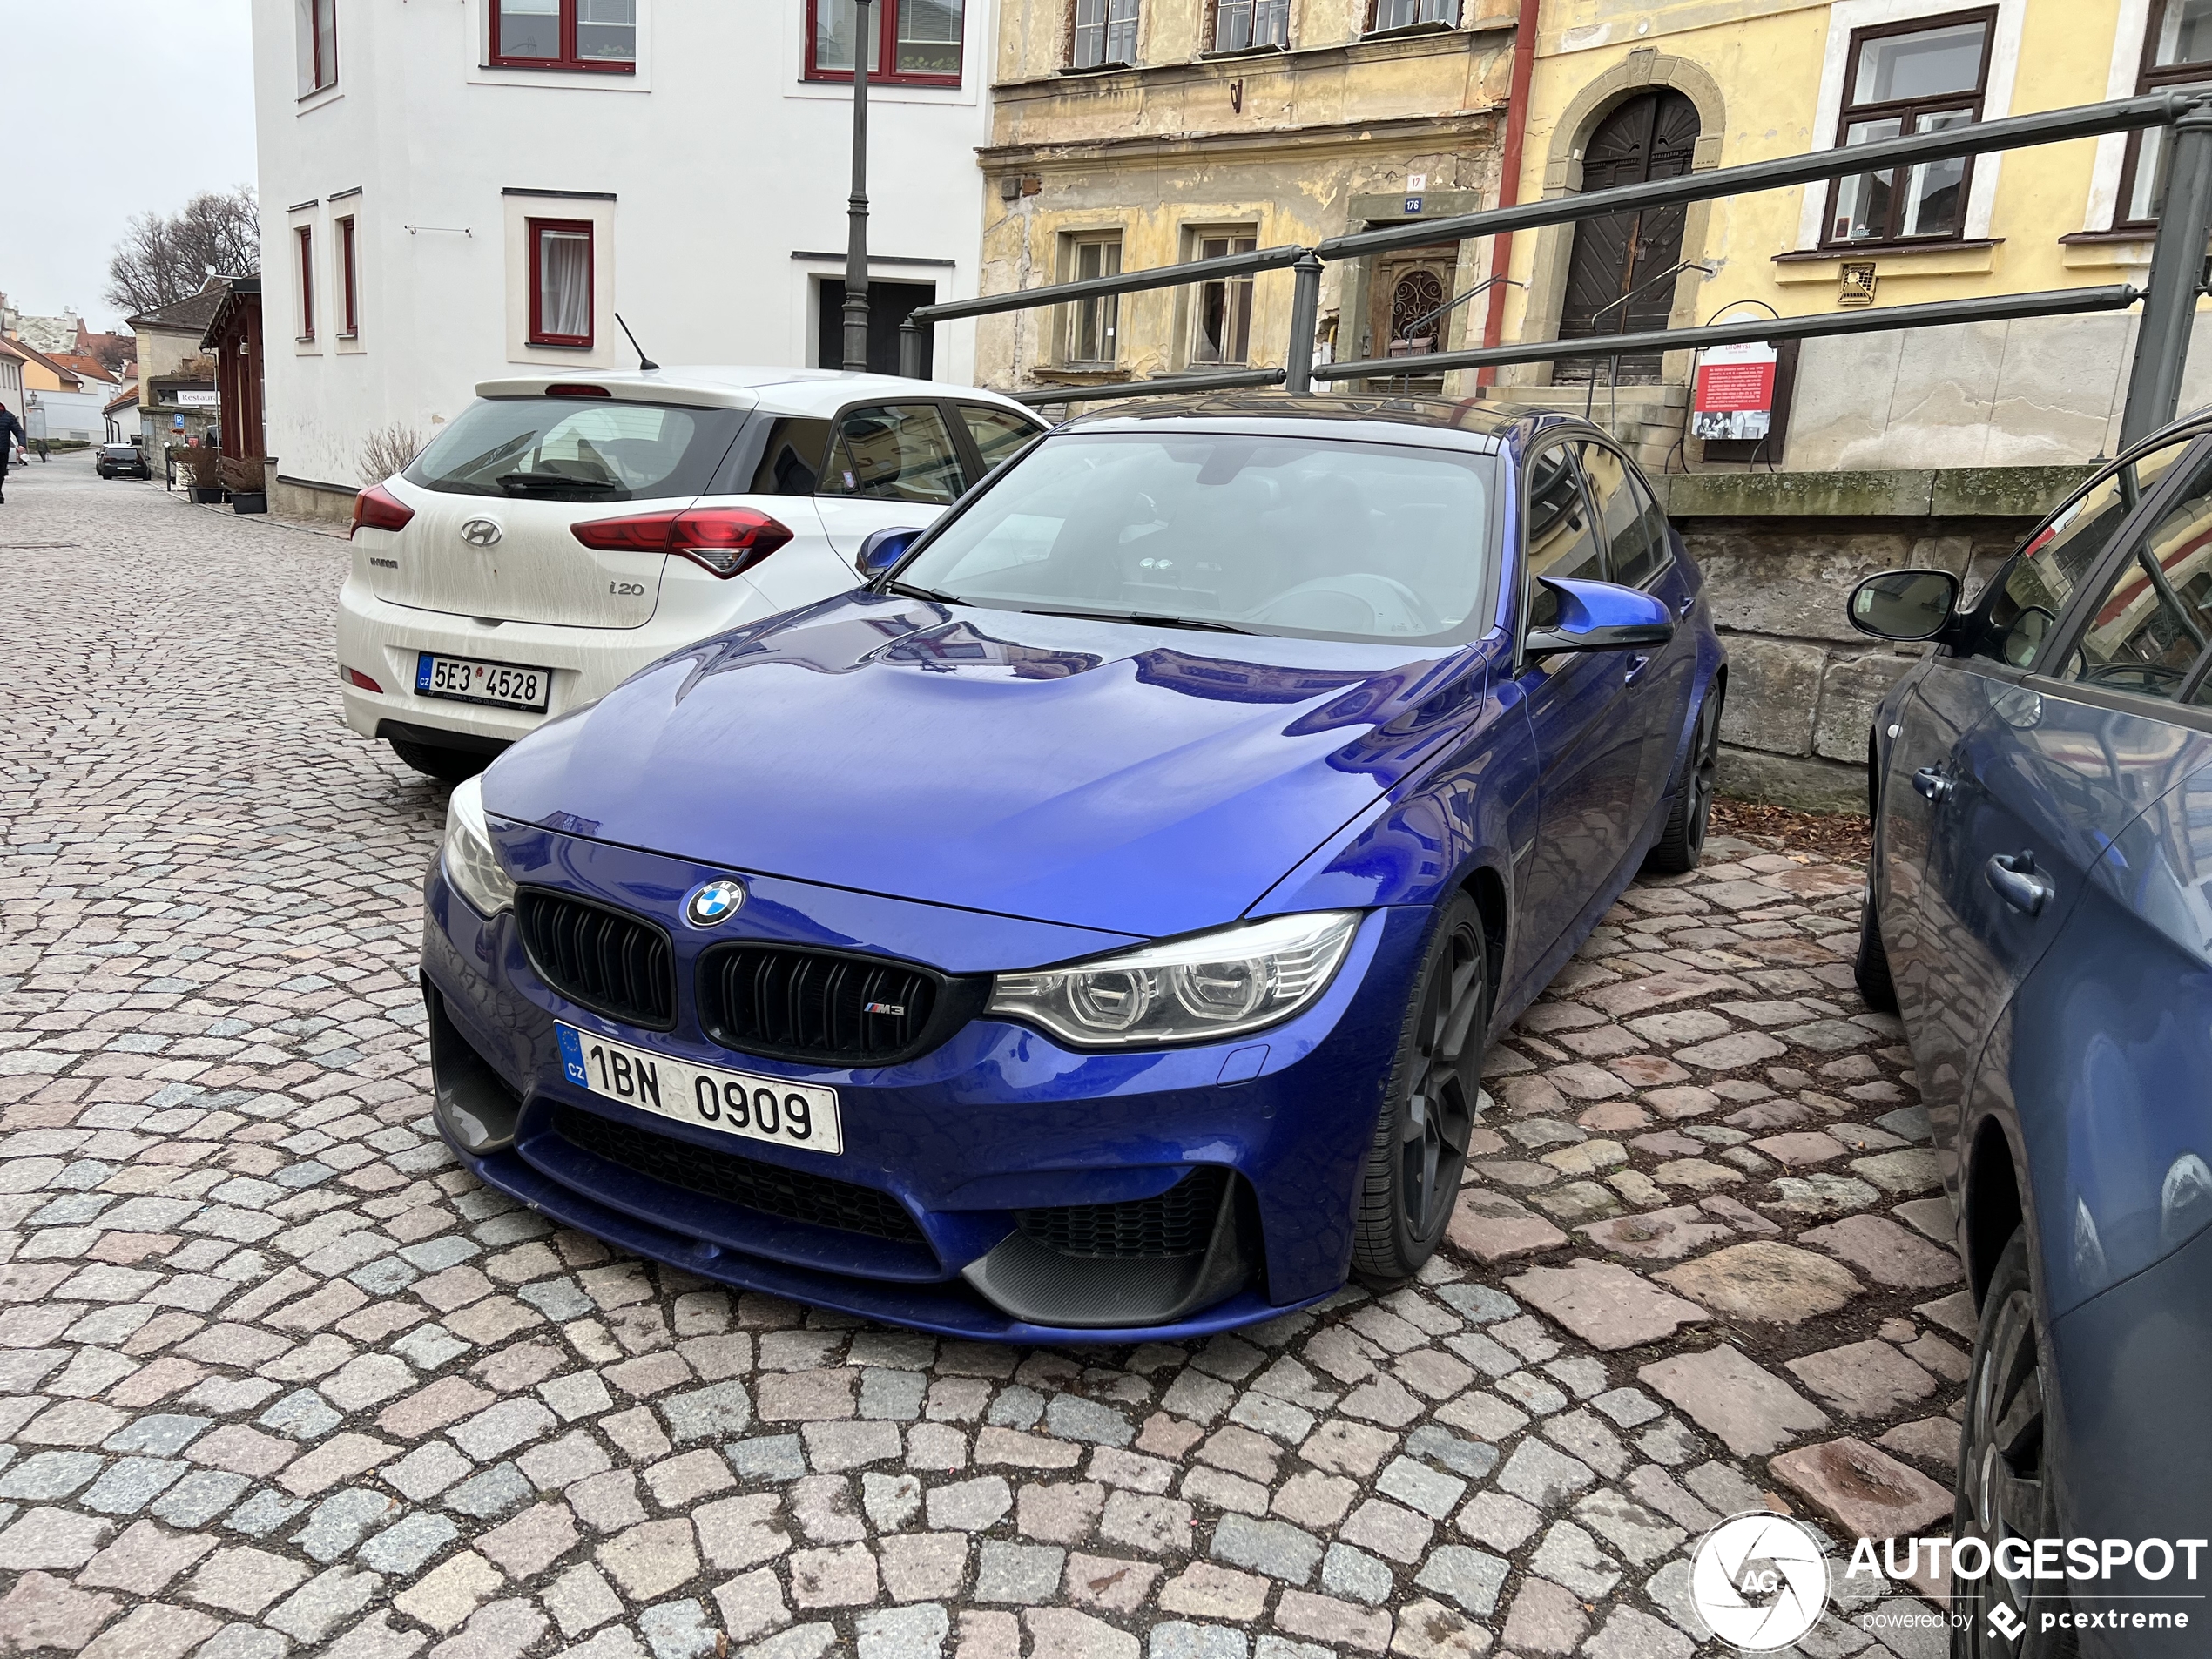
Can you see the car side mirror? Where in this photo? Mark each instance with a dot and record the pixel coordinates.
(885, 549)
(1905, 604)
(1566, 614)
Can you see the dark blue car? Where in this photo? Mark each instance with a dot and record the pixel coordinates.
(1092, 926)
(2040, 914)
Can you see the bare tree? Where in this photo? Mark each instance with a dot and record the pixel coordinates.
(166, 258)
(389, 451)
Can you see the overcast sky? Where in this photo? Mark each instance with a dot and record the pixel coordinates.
(113, 107)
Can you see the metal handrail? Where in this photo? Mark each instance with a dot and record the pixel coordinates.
(2056, 302)
(1160, 276)
(1158, 386)
(2011, 132)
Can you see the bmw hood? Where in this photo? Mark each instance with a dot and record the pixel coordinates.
(1143, 780)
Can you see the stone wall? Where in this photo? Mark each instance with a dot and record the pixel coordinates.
(1780, 553)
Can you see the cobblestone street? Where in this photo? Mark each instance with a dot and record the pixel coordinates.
(276, 1377)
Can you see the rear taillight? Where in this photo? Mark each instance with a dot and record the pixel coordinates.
(355, 677)
(378, 509)
(723, 540)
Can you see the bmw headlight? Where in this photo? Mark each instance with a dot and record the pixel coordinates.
(1192, 990)
(471, 865)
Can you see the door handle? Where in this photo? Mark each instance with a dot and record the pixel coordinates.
(1636, 666)
(1932, 785)
(1683, 605)
(2018, 883)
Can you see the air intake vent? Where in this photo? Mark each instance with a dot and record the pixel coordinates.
(1180, 1222)
(794, 1195)
(829, 1008)
(614, 964)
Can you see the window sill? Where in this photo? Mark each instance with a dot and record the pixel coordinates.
(2125, 250)
(1409, 30)
(1891, 259)
(1093, 69)
(554, 66)
(844, 77)
(1220, 54)
(536, 344)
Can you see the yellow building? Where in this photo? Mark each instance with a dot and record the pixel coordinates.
(1134, 133)
(1626, 89)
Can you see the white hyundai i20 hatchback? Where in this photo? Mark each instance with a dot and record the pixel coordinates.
(564, 531)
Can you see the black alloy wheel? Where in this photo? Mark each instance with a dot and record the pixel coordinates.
(1420, 1151)
(1682, 844)
(2006, 1487)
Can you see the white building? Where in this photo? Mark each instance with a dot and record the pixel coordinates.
(449, 189)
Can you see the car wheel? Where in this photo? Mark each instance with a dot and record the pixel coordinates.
(448, 766)
(1682, 842)
(1420, 1150)
(1872, 970)
(2006, 1488)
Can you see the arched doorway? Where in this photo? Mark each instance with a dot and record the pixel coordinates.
(1654, 135)
(1406, 298)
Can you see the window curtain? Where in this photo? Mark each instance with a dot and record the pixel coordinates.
(564, 284)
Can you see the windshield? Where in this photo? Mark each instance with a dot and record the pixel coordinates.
(556, 448)
(1245, 533)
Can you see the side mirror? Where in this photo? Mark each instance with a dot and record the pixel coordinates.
(885, 549)
(1905, 604)
(1566, 614)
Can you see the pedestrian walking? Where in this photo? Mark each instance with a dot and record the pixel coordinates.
(12, 437)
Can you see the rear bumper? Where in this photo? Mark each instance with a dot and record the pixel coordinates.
(382, 640)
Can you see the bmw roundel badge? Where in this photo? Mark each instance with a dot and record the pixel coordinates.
(716, 901)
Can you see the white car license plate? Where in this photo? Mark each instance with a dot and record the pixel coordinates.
(736, 1102)
(466, 680)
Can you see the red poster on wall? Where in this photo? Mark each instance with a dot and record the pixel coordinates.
(1735, 393)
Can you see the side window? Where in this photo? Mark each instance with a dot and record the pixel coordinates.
(791, 459)
(1620, 515)
(997, 433)
(2154, 621)
(2031, 591)
(1562, 542)
(893, 452)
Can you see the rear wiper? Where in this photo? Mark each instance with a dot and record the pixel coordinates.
(527, 482)
(1141, 615)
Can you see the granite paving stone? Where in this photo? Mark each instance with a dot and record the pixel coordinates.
(277, 1373)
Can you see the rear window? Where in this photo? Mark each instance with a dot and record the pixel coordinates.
(553, 448)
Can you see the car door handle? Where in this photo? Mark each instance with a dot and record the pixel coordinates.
(1683, 604)
(1932, 785)
(1636, 666)
(2018, 883)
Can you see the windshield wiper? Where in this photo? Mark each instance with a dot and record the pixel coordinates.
(1140, 616)
(912, 592)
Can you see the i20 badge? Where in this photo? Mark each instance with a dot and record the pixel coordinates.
(716, 901)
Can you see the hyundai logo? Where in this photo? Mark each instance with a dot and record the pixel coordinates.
(716, 901)
(480, 532)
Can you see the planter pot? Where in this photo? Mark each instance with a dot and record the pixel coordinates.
(250, 501)
(208, 496)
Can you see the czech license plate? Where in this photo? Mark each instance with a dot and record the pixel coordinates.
(736, 1102)
(466, 680)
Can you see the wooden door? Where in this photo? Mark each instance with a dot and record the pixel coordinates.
(1654, 135)
(1411, 286)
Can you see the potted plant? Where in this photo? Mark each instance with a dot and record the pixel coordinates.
(201, 473)
(246, 478)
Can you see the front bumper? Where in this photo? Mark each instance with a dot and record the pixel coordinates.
(382, 640)
(972, 1140)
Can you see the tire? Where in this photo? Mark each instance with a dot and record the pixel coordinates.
(1418, 1153)
(447, 766)
(2005, 1488)
(1682, 844)
(1872, 970)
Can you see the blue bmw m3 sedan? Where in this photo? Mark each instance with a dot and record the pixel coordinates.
(2041, 915)
(1091, 927)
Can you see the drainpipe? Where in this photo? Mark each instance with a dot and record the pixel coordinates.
(1524, 68)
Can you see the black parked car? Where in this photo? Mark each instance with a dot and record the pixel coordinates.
(121, 461)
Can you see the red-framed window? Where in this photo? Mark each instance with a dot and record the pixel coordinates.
(600, 35)
(916, 42)
(2177, 51)
(316, 33)
(348, 281)
(561, 295)
(304, 238)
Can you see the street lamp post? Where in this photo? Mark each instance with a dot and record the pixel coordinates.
(856, 236)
